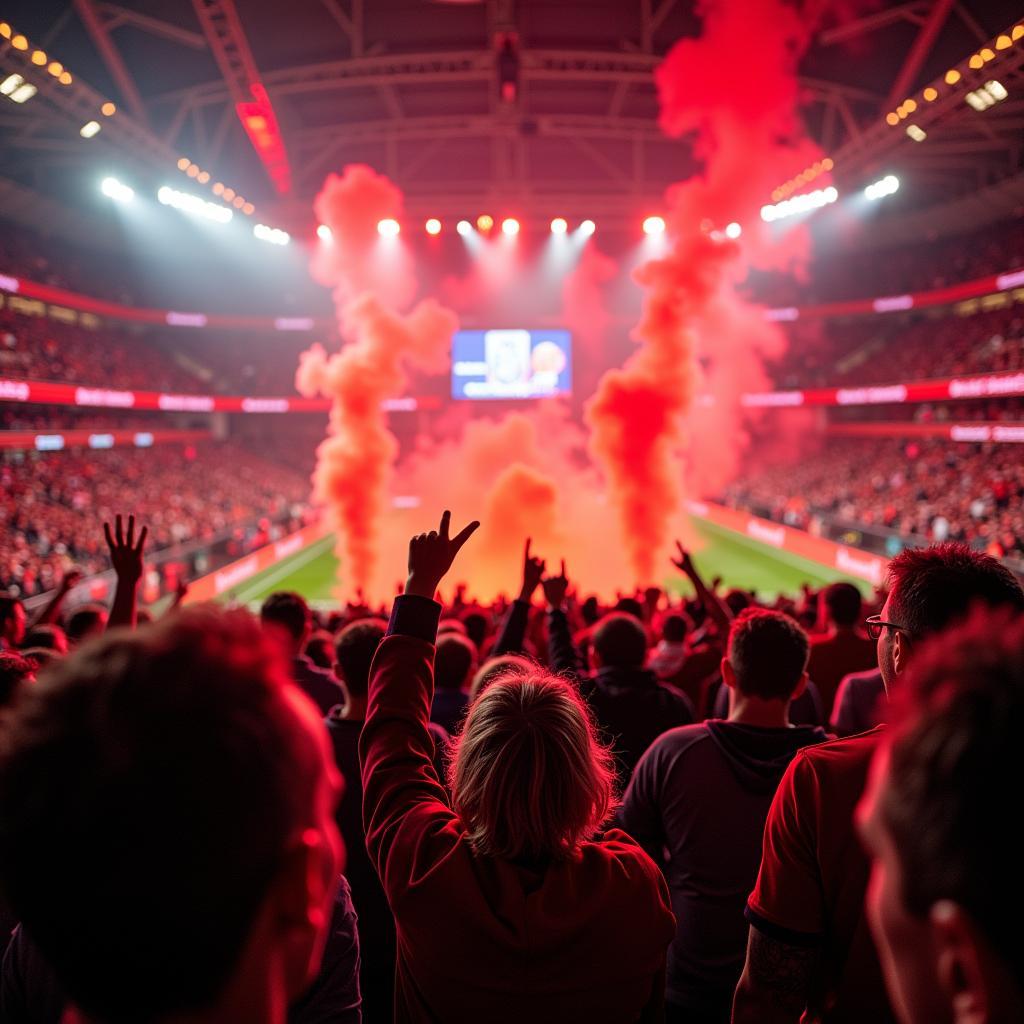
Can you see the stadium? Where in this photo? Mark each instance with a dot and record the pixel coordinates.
(717, 306)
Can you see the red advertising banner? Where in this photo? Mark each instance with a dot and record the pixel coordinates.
(30, 440)
(981, 432)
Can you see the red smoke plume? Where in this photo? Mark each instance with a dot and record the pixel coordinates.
(734, 89)
(355, 463)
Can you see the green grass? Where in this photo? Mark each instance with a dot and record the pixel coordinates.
(740, 561)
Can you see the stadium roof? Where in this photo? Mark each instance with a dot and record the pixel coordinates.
(414, 87)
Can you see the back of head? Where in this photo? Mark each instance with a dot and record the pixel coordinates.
(289, 612)
(843, 603)
(88, 621)
(320, 649)
(930, 588)
(165, 759)
(477, 627)
(15, 671)
(46, 635)
(630, 606)
(674, 629)
(554, 786)
(620, 641)
(11, 611)
(954, 757)
(497, 668)
(768, 652)
(454, 661)
(356, 645)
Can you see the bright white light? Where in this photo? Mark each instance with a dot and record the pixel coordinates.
(273, 235)
(116, 190)
(23, 93)
(464, 228)
(800, 204)
(882, 188)
(10, 83)
(987, 95)
(510, 226)
(324, 233)
(733, 230)
(588, 227)
(654, 225)
(433, 226)
(559, 226)
(193, 204)
(388, 227)
(917, 133)
(89, 129)
(996, 89)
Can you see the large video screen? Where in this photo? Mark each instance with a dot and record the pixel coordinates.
(504, 364)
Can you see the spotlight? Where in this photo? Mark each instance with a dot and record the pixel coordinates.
(484, 222)
(464, 228)
(882, 188)
(203, 177)
(114, 189)
(433, 226)
(10, 83)
(192, 170)
(733, 230)
(273, 235)
(917, 133)
(388, 227)
(193, 204)
(559, 226)
(510, 226)
(184, 163)
(654, 225)
(587, 228)
(108, 109)
(987, 95)
(324, 233)
(800, 204)
(89, 129)
(39, 58)
(17, 88)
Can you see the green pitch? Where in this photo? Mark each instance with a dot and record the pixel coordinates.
(740, 561)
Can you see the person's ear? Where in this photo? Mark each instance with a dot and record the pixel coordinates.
(728, 674)
(901, 648)
(800, 687)
(959, 964)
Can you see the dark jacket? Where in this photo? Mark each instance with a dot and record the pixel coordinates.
(698, 803)
(321, 687)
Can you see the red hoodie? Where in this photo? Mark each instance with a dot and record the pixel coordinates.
(484, 939)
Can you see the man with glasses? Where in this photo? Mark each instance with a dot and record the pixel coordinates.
(809, 948)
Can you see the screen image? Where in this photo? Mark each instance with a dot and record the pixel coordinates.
(504, 363)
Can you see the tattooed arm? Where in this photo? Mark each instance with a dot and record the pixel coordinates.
(776, 978)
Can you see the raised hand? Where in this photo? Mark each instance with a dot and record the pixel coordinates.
(684, 562)
(125, 551)
(555, 588)
(70, 579)
(431, 556)
(533, 573)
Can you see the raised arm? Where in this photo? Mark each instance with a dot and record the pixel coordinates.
(51, 611)
(716, 609)
(404, 804)
(126, 559)
(512, 635)
(562, 653)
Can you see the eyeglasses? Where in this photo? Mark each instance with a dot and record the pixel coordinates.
(875, 624)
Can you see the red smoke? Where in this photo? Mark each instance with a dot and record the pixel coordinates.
(735, 91)
(370, 278)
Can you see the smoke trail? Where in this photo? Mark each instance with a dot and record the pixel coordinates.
(356, 461)
(735, 90)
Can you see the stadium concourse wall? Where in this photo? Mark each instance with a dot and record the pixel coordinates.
(849, 561)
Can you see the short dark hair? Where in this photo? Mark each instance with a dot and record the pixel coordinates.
(631, 606)
(84, 620)
(454, 657)
(287, 609)
(354, 649)
(930, 588)
(768, 652)
(955, 754)
(844, 604)
(590, 610)
(164, 757)
(15, 670)
(477, 627)
(320, 649)
(620, 640)
(48, 635)
(674, 628)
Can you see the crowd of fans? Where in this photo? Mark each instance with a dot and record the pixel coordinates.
(544, 810)
(186, 493)
(928, 490)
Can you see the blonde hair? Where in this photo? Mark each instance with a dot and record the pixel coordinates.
(528, 777)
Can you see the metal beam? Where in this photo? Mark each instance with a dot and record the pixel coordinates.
(97, 30)
(117, 16)
(350, 24)
(914, 11)
(919, 52)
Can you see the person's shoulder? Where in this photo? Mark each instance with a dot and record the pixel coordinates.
(617, 850)
(679, 739)
(837, 760)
